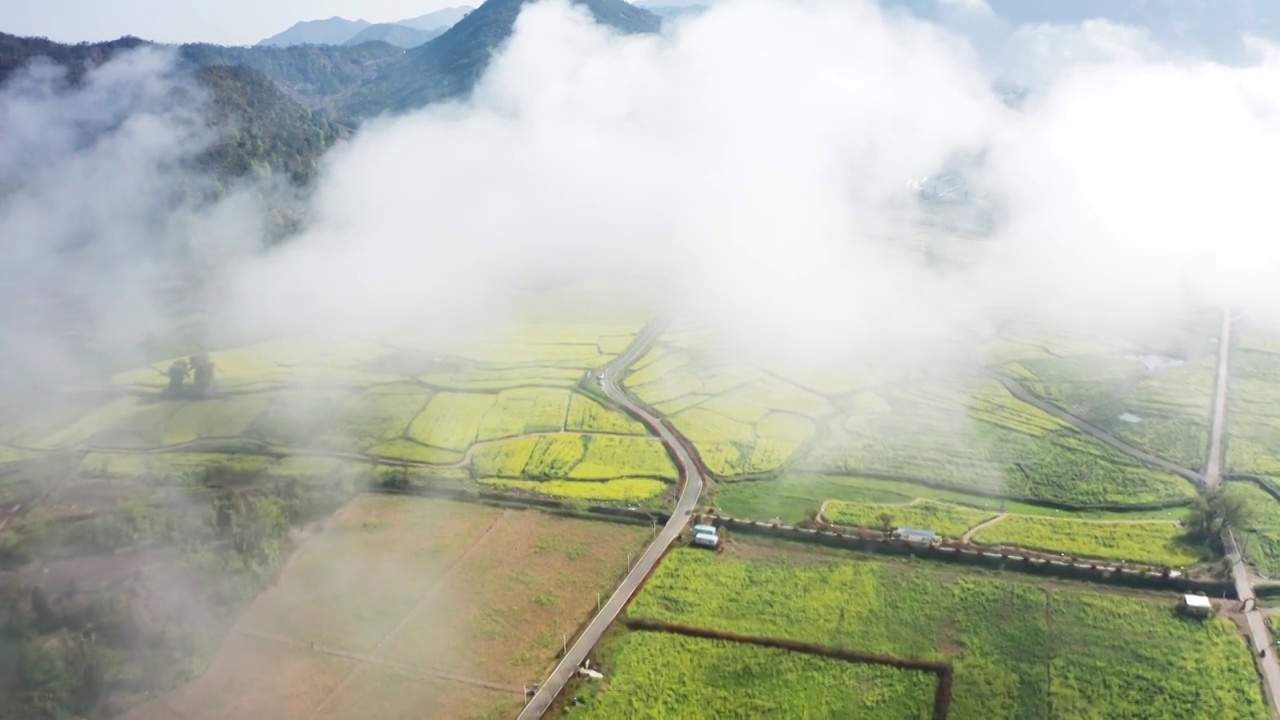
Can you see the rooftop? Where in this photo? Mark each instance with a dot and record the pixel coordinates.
(1197, 601)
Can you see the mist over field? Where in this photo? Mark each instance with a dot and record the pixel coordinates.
(750, 165)
(760, 174)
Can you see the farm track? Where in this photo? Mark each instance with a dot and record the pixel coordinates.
(968, 534)
(691, 487)
(1020, 392)
(1259, 635)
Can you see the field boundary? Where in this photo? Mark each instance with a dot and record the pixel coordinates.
(943, 671)
(999, 558)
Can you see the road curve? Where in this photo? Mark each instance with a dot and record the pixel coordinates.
(691, 480)
(1259, 636)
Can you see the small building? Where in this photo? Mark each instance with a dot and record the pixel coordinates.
(705, 535)
(916, 535)
(707, 540)
(1195, 606)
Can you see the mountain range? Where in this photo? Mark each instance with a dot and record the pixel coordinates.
(282, 106)
(408, 33)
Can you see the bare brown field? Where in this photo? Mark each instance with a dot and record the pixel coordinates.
(407, 607)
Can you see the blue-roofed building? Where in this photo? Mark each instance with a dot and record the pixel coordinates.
(916, 535)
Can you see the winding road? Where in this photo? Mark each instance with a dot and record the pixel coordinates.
(691, 487)
(1259, 636)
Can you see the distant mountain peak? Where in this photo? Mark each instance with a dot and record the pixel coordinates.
(330, 31)
(336, 30)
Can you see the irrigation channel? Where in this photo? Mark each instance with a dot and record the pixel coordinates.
(690, 488)
(1259, 636)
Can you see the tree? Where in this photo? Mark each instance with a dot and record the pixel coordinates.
(1214, 512)
(203, 368)
(886, 521)
(177, 376)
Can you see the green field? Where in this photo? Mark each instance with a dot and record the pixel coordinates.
(659, 675)
(1019, 649)
(1155, 395)
(949, 521)
(794, 497)
(1253, 405)
(1261, 537)
(1140, 541)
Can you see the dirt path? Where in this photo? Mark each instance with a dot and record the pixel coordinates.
(968, 534)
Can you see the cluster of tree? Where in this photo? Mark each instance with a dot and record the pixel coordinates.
(200, 368)
(1213, 512)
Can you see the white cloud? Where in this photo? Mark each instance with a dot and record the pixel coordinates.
(972, 7)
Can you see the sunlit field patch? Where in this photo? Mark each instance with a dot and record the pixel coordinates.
(617, 490)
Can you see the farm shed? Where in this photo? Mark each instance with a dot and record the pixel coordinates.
(1196, 605)
(916, 535)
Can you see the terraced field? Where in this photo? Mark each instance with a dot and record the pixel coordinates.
(503, 407)
(1018, 649)
(952, 427)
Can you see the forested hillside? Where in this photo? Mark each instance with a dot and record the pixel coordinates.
(279, 108)
(261, 128)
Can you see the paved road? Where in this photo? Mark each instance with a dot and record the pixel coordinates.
(1217, 429)
(692, 480)
(1259, 636)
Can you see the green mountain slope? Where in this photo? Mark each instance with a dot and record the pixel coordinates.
(450, 65)
(262, 128)
(395, 34)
